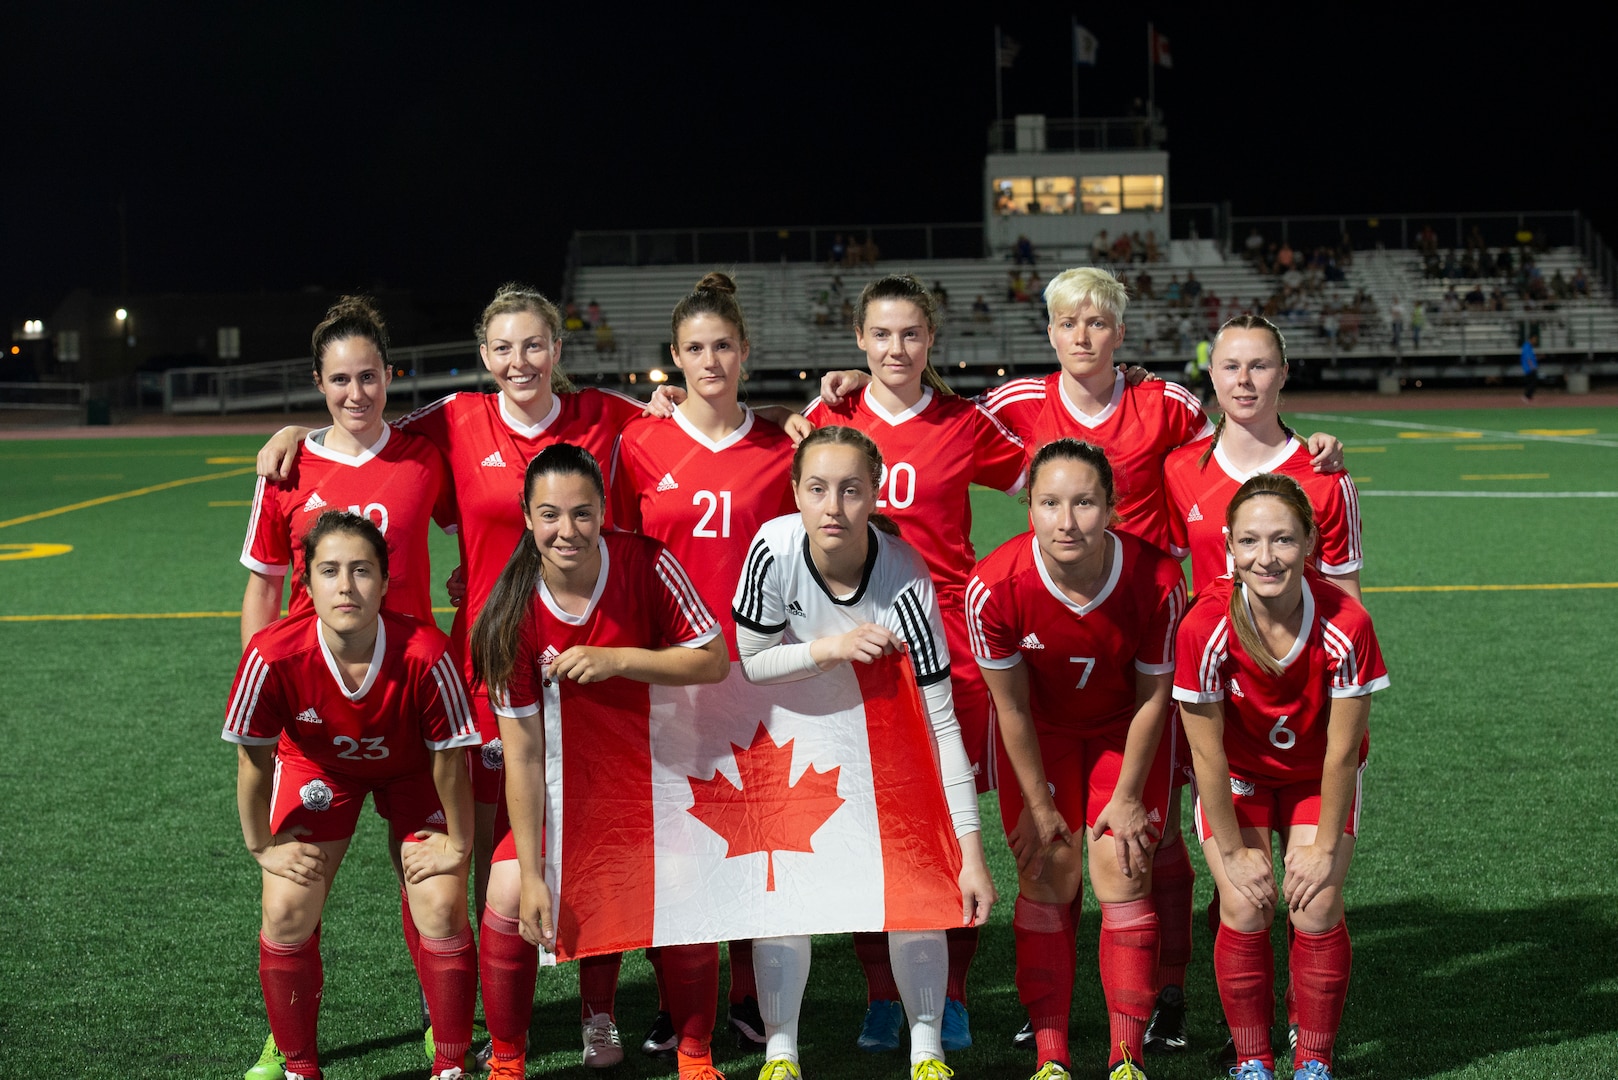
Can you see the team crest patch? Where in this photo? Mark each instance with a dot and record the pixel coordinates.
(1241, 787)
(494, 754)
(315, 795)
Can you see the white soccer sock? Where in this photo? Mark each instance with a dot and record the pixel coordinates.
(921, 970)
(781, 970)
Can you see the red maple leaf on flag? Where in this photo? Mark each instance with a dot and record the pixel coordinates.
(767, 813)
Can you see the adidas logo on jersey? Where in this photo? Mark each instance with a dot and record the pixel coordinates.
(1235, 687)
(667, 483)
(1195, 514)
(436, 818)
(1031, 642)
(546, 659)
(494, 461)
(313, 503)
(309, 716)
(795, 608)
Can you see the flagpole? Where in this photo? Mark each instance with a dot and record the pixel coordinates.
(999, 100)
(1073, 35)
(1151, 73)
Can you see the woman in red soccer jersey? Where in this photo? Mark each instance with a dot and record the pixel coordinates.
(935, 446)
(1249, 371)
(574, 603)
(702, 484)
(328, 707)
(1073, 625)
(1273, 672)
(394, 479)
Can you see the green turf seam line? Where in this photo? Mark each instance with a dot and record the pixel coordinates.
(104, 617)
(104, 499)
(1497, 494)
(1475, 431)
(1490, 588)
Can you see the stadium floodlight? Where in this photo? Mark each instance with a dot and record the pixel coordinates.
(657, 375)
(121, 314)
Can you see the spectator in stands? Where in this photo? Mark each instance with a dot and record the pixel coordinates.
(1530, 369)
(1173, 295)
(1333, 273)
(1036, 288)
(941, 295)
(821, 308)
(1418, 323)
(1023, 253)
(1497, 299)
(1100, 246)
(980, 310)
(572, 321)
(845, 314)
(1137, 247)
(1284, 258)
(1121, 249)
(1502, 263)
(1152, 254)
(1396, 320)
(605, 342)
(869, 253)
(1193, 287)
(1143, 286)
(1345, 249)
(1017, 287)
(1476, 300)
(1469, 264)
(839, 251)
(592, 314)
(1329, 326)
(1183, 331)
(836, 288)
(1474, 240)
(1451, 269)
(1451, 304)
(1254, 245)
(1580, 283)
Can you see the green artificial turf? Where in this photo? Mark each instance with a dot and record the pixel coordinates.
(1483, 900)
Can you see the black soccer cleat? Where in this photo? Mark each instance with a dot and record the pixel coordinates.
(661, 1037)
(1166, 1031)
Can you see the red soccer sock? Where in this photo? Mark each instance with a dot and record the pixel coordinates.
(1244, 964)
(963, 946)
(1320, 967)
(293, 980)
(598, 984)
(412, 936)
(1044, 935)
(692, 974)
(1291, 995)
(509, 966)
(872, 952)
(448, 968)
(742, 985)
(654, 957)
(1128, 955)
(1172, 882)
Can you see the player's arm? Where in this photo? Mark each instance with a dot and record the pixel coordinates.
(524, 741)
(1326, 452)
(1309, 867)
(676, 665)
(276, 456)
(1125, 812)
(280, 854)
(1247, 869)
(261, 603)
(1032, 840)
(1349, 583)
(837, 385)
(444, 852)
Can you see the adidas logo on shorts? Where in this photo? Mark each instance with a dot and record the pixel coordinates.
(667, 483)
(494, 461)
(436, 818)
(1031, 642)
(1195, 514)
(313, 503)
(309, 716)
(1154, 817)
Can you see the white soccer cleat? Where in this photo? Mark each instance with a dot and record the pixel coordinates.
(602, 1047)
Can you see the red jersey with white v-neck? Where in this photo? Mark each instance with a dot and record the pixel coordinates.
(1275, 725)
(1081, 660)
(702, 499)
(932, 453)
(399, 483)
(489, 451)
(1199, 494)
(1137, 428)
(289, 692)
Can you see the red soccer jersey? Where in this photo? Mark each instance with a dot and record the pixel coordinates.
(1275, 725)
(1199, 494)
(932, 454)
(1081, 660)
(1137, 429)
(400, 483)
(701, 499)
(643, 600)
(289, 693)
(488, 453)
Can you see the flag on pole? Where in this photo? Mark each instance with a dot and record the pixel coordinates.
(1159, 48)
(677, 815)
(1008, 50)
(1084, 46)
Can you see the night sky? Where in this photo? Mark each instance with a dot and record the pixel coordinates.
(277, 146)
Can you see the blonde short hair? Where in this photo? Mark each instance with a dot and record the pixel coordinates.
(1072, 289)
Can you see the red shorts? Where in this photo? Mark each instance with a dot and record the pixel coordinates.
(1082, 773)
(327, 807)
(1272, 807)
(488, 762)
(972, 702)
(1185, 770)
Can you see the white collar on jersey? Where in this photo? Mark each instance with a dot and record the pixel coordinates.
(1118, 386)
(377, 654)
(595, 596)
(529, 431)
(354, 461)
(1304, 627)
(1271, 465)
(1106, 590)
(895, 419)
(723, 444)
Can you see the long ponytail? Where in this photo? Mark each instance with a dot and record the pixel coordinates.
(499, 624)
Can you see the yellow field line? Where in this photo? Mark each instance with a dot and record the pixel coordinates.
(104, 499)
(1507, 476)
(1440, 434)
(1493, 446)
(1365, 449)
(230, 502)
(1489, 588)
(1559, 431)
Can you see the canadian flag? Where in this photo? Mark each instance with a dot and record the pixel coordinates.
(677, 815)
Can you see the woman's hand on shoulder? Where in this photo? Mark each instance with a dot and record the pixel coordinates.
(837, 385)
(432, 854)
(665, 399)
(798, 427)
(587, 664)
(291, 858)
(275, 458)
(866, 643)
(1326, 452)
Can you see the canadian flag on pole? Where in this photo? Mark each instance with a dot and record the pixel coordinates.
(705, 813)
(1160, 48)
